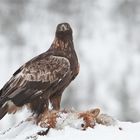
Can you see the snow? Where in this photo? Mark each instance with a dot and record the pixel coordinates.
(23, 130)
(130, 131)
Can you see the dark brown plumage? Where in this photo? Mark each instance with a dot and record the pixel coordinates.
(44, 77)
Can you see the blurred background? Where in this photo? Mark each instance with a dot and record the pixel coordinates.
(106, 38)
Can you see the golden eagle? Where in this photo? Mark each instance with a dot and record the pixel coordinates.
(43, 78)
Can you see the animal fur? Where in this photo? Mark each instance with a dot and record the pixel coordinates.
(59, 119)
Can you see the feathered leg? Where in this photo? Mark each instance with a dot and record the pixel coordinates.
(55, 101)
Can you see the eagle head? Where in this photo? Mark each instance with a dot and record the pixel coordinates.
(63, 30)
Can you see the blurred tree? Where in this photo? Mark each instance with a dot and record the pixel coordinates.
(98, 26)
(128, 13)
(11, 15)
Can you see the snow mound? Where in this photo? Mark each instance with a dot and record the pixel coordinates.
(27, 130)
(68, 126)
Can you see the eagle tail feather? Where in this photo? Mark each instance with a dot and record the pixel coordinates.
(3, 107)
(0, 91)
(3, 110)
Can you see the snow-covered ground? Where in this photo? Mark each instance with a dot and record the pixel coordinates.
(28, 130)
(23, 130)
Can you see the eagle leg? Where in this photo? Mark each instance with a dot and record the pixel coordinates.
(39, 105)
(55, 101)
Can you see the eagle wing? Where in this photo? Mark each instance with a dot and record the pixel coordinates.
(35, 77)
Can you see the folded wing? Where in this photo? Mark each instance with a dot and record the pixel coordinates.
(34, 78)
